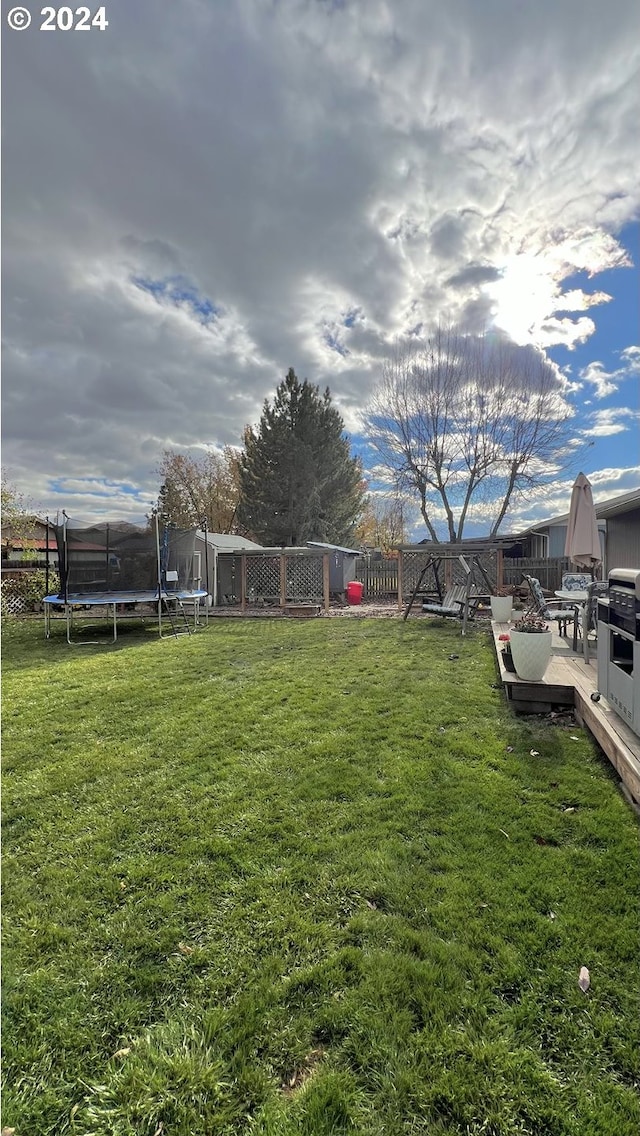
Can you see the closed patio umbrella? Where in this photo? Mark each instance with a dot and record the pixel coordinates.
(582, 545)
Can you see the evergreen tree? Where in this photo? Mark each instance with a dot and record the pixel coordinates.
(298, 481)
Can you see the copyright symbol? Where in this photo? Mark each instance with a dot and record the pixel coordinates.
(18, 19)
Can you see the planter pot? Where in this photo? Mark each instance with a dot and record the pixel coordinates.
(531, 654)
(501, 608)
(507, 659)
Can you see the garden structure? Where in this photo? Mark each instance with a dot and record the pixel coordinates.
(290, 580)
(127, 570)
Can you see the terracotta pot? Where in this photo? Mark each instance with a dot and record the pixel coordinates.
(501, 608)
(531, 654)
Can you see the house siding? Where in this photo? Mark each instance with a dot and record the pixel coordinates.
(623, 541)
(557, 540)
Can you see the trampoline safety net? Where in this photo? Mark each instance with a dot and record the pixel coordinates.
(116, 556)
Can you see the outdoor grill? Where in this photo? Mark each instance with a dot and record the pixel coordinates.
(619, 645)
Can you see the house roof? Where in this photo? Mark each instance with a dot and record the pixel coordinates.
(37, 545)
(623, 504)
(609, 508)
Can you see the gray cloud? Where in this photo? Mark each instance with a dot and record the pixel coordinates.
(287, 163)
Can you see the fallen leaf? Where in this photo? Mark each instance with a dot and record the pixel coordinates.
(539, 840)
(505, 834)
(370, 905)
(584, 979)
(8, 1131)
(552, 915)
(185, 949)
(534, 752)
(509, 749)
(569, 810)
(159, 1130)
(73, 1111)
(122, 885)
(441, 729)
(122, 1053)
(574, 737)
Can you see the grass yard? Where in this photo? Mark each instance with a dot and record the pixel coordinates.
(308, 878)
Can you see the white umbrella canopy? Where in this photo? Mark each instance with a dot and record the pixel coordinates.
(582, 545)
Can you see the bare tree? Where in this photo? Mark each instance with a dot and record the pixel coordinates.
(466, 421)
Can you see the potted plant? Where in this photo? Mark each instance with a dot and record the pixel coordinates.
(502, 605)
(531, 648)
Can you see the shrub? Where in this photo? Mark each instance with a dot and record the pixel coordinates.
(24, 591)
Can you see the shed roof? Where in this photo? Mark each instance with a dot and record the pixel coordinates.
(229, 542)
(333, 547)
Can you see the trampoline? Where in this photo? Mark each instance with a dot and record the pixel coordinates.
(129, 570)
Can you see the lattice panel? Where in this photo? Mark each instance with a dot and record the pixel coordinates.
(12, 604)
(450, 571)
(304, 578)
(263, 578)
(412, 565)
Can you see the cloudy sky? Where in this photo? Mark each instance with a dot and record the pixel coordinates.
(208, 192)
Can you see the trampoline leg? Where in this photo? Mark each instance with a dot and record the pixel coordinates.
(115, 624)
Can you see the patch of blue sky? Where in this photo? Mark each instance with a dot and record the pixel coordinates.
(616, 323)
(180, 292)
(350, 317)
(335, 344)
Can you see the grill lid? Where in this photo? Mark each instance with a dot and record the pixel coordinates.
(626, 580)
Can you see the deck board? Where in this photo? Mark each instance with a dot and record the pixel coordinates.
(569, 681)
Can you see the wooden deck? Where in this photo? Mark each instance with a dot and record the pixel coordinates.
(569, 681)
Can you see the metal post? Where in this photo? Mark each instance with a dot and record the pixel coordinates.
(159, 577)
(46, 558)
(206, 568)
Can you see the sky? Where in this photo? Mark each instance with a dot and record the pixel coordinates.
(206, 193)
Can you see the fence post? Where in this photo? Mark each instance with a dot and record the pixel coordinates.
(400, 589)
(243, 581)
(325, 580)
(499, 570)
(283, 580)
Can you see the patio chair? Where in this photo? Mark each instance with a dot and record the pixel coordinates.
(548, 609)
(586, 620)
(575, 581)
(459, 601)
(452, 604)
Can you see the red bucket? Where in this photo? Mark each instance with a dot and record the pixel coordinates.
(354, 592)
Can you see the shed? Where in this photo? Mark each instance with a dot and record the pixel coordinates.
(342, 564)
(216, 560)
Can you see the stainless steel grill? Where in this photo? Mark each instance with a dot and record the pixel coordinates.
(619, 645)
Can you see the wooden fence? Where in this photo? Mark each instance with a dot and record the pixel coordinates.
(548, 572)
(380, 578)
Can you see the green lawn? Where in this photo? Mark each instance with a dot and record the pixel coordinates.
(307, 877)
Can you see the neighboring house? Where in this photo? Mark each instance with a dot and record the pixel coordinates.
(29, 549)
(618, 524)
